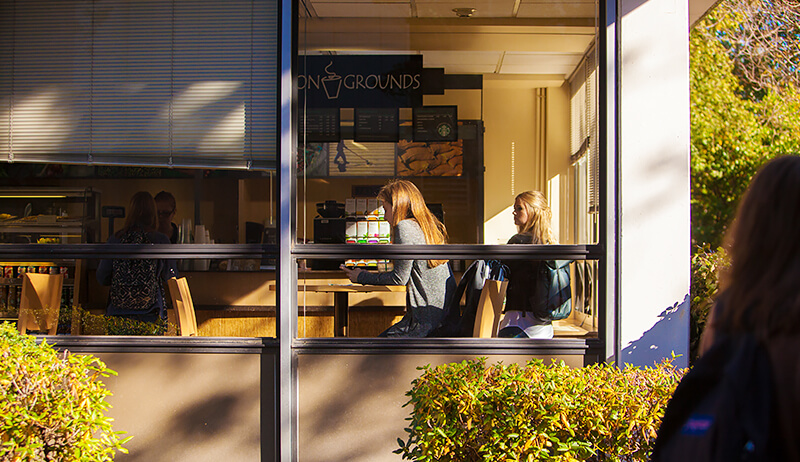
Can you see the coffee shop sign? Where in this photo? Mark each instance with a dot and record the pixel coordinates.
(361, 81)
(331, 82)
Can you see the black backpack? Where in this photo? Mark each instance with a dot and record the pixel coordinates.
(723, 408)
(460, 320)
(134, 282)
(554, 282)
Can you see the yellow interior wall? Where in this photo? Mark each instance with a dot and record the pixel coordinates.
(558, 159)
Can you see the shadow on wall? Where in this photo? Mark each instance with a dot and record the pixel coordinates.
(670, 334)
(198, 407)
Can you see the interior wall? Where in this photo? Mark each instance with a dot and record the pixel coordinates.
(217, 196)
(510, 145)
(559, 170)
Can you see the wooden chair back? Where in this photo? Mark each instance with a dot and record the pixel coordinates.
(182, 303)
(490, 308)
(40, 302)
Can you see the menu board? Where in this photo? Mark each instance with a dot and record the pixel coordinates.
(377, 124)
(435, 123)
(321, 125)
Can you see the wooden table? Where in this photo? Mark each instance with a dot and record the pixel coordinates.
(341, 300)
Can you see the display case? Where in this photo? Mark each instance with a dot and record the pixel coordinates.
(44, 216)
(49, 215)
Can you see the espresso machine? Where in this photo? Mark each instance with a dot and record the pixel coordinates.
(329, 228)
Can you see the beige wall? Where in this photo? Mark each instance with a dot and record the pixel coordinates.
(189, 407)
(512, 121)
(351, 406)
(559, 172)
(216, 199)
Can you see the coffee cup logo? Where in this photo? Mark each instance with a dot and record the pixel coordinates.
(332, 83)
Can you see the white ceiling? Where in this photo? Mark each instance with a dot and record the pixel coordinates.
(520, 37)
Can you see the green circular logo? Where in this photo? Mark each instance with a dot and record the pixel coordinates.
(444, 130)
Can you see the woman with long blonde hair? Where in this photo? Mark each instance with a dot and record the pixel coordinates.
(429, 283)
(524, 314)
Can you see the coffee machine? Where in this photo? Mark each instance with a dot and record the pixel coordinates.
(329, 228)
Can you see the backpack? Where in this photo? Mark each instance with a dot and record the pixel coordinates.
(134, 282)
(554, 283)
(722, 410)
(459, 321)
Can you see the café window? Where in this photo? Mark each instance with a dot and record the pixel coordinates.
(223, 224)
(473, 106)
(101, 100)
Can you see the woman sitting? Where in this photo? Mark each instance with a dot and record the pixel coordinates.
(429, 283)
(525, 311)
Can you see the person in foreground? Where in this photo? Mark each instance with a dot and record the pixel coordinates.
(760, 291)
(525, 314)
(429, 282)
(137, 290)
(739, 399)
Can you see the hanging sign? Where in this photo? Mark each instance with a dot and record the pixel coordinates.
(353, 81)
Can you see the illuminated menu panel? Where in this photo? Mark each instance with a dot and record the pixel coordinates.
(435, 123)
(322, 125)
(377, 124)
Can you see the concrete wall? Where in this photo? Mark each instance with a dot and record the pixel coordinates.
(653, 170)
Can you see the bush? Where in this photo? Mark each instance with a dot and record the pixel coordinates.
(469, 412)
(706, 265)
(99, 324)
(52, 404)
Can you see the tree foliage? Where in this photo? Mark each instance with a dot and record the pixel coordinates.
(737, 123)
(764, 43)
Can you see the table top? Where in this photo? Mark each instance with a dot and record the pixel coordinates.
(349, 288)
(345, 288)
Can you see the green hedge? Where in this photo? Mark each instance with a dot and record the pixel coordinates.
(706, 265)
(52, 404)
(470, 412)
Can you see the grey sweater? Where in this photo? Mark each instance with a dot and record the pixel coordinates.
(427, 289)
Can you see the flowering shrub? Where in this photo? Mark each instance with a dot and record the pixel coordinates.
(52, 404)
(470, 412)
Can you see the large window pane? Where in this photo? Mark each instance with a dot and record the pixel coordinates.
(474, 106)
(473, 110)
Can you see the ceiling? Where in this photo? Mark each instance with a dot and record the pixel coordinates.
(541, 39)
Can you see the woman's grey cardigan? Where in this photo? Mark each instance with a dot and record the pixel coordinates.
(427, 289)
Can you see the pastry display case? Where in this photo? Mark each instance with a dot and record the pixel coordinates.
(49, 215)
(44, 216)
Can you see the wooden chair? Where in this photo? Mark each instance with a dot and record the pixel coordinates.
(490, 308)
(40, 302)
(184, 308)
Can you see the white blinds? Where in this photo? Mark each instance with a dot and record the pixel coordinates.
(583, 122)
(140, 82)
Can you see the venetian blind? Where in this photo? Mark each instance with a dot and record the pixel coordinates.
(583, 122)
(184, 83)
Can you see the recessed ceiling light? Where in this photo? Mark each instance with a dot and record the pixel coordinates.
(464, 12)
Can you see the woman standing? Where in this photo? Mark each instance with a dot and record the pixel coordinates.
(136, 284)
(525, 314)
(429, 283)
